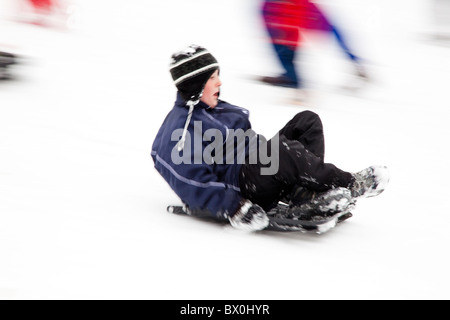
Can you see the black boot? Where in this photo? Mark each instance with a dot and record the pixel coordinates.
(305, 204)
(280, 81)
(370, 182)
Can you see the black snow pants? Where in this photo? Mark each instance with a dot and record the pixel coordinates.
(301, 164)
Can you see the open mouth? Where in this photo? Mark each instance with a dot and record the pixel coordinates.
(217, 94)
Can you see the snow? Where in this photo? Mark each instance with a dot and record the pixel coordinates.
(83, 212)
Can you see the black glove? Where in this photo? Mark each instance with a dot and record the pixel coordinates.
(249, 217)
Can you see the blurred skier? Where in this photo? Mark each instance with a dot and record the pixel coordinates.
(6, 60)
(285, 21)
(43, 9)
(226, 189)
(43, 6)
(441, 19)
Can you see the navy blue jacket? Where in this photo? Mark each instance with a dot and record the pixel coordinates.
(212, 188)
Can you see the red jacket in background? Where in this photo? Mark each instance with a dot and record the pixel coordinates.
(42, 4)
(285, 18)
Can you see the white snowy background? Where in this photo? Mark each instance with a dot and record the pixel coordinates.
(83, 212)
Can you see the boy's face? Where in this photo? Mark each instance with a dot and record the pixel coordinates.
(212, 90)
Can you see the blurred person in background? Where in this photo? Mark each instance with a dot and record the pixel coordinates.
(285, 21)
(43, 5)
(38, 12)
(441, 19)
(42, 8)
(6, 60)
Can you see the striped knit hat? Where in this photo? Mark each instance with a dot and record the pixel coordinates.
(191, 69)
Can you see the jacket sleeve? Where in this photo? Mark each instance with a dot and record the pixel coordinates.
(199, 188)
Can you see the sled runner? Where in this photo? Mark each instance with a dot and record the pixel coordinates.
(307, 223)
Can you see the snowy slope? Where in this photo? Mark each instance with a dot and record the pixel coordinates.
(82, 211)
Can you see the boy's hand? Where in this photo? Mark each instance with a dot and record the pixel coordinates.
(249, 217)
